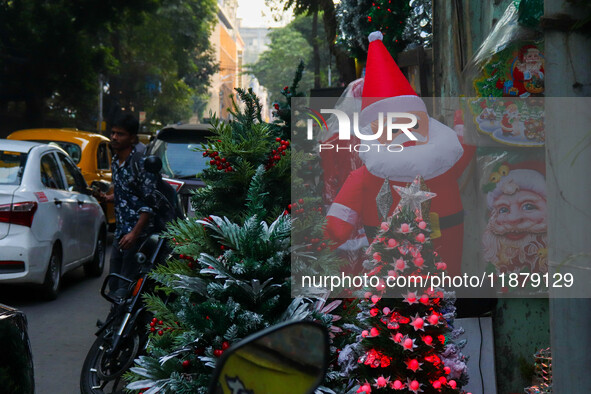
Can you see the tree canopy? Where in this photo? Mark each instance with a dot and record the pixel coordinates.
(153, 54)
(275, 67)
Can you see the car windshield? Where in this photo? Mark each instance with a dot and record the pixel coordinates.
(12, 165)
(179, 159)
(73, 150)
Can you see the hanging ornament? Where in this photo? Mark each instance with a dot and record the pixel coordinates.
(414, 365)
(408, 343)
(414, 386)
(382, 382)
(418, 323)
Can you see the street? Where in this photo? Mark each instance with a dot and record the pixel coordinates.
(61, 331)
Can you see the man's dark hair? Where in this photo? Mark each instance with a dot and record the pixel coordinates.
(127, 122)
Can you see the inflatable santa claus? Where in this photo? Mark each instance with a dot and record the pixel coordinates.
(435, 153)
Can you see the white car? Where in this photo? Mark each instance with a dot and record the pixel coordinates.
(49, 223)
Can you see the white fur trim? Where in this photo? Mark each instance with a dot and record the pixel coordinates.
(428, 160)
(359, 243)
(524, 179)
(403, 103)
(375, 35)
(343, 212)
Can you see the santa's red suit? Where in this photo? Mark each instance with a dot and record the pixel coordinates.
(441, 162)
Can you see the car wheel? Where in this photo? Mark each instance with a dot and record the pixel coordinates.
(94, 268)
(51, 285)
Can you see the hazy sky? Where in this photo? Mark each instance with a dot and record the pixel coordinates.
(254, 13)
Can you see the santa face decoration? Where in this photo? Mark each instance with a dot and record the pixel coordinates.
(515, 236)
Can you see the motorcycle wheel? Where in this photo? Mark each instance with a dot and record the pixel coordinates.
(102, 373)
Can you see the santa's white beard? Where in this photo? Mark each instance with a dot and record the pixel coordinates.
(429, 160)
(509, 255)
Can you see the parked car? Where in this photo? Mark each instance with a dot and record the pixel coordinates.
(16, 358)
(175, 145)
(89, 151)
(49, 222)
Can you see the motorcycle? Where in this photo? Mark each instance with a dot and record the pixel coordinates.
(123, 336)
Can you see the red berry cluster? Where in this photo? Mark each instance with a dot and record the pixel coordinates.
(277, 153)
(221, 163)
(315, 243)
(299, 207)
(158, 325)
(219, 352)
(190, 260)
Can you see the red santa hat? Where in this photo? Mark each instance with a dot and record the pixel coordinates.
(528, 175)
(385, 88)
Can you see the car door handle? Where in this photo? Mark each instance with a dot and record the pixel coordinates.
(57, 202)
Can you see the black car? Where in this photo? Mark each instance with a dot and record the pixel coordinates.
(175, 145)
(16, 358)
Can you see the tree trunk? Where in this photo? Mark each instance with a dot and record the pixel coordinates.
(316, 50)
(344, 63)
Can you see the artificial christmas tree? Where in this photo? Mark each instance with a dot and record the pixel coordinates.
(405, 345)
(232, 274)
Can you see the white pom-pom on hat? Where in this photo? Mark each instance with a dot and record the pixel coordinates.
(376, 35)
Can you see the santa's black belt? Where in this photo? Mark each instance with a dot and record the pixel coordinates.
(451, 220)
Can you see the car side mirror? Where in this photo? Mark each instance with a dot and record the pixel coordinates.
(153, 164)
(293, 354)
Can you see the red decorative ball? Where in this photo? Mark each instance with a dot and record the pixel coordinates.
(160, 332)
(277, 139)
(225, 345)
(218, 352)
(186, 364)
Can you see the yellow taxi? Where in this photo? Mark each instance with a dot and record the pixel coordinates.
(89, 151)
